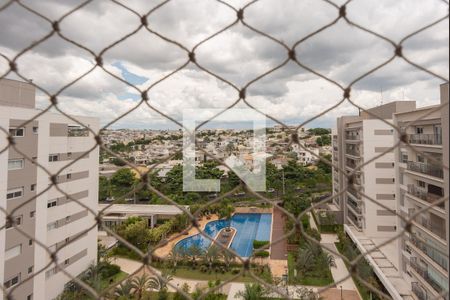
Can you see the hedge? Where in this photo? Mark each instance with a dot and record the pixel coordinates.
(259, 244)
(262, 253)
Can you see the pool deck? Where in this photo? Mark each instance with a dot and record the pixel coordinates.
(164, 251)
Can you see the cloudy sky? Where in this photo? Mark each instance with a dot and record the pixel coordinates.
(291, 93)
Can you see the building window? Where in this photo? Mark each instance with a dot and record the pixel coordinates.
(16, 164)
(30, 297)
(14, 193)
(421, 183)
(17, 221)
(33, 187)
(12, 282)
(69, 176)
(419, 130)
(30, 269)
(51, 204)
(66, 262)
(51, 226)
(32, 214)
(17, 132)
(13, 252)
(35, 129)
(53, 157)
(30, 242)
(69, 154)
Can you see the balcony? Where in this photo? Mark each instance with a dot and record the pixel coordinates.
(425, 139)
(354, 194)
(354, 220)
(354, 206)
(440, 232)
(353, 152)
(418, 291)
(352, 137)
(425, 168)
(430, 252)
(423, 272)
(423, 194)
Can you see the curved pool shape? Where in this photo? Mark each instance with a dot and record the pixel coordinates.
(249, 227)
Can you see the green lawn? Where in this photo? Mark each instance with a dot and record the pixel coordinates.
(196, 274)
(315, 278)
(115, 279)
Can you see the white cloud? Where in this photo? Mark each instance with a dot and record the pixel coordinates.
(341, 53)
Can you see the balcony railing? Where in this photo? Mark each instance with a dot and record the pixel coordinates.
(352, 137)
(423, 272)
(353, 152)
(425, 139)
(418, 291)
(354, 193)
(439, 231)
(423, 194)
(354, 206)
(432, 253)
(357, 222)
(425, 168)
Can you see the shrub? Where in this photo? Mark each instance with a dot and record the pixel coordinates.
(109, 270)
(314, 234)
(262, 253)
(258, 244)
(235, 271)
(203, 268)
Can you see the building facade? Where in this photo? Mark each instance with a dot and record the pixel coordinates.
(38, 209)
(357, 140)
(422, 183)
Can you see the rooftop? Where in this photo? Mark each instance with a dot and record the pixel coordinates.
(141, 209)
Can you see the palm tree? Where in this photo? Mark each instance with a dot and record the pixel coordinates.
(141, 284)
(124, 290)
(251, 292)
(174, 256)
(211, 256)
(228, 257)
(194, 252)
(160, 282)
(305, 260)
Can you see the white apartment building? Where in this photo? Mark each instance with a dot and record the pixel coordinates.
(46, 215)
(422, 181)
(357, 140)
(414, 266)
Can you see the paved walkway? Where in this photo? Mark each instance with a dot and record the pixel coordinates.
(340, 271)
(278, 250)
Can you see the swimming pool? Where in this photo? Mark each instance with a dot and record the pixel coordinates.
(249, 227)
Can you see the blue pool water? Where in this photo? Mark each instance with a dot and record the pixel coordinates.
(249, 227)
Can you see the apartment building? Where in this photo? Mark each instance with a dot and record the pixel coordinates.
(44, 214)
(356, 140)
(422, 181)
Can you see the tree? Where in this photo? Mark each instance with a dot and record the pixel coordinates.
(123, 178)
(326, 168)
(104, 188)
(323, 140)
(141, 284)
(124, 290)
(135, 231)
(226, 211)
(251, 292)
